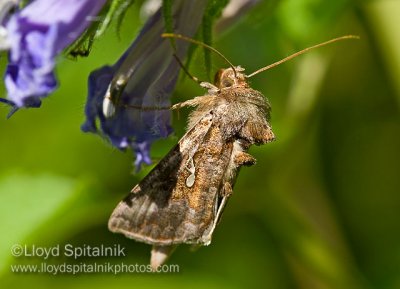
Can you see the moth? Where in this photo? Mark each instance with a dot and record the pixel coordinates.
(182, 199)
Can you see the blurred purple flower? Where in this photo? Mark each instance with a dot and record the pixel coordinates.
(35, 35)
(150, 72)
(233, 12)
(6, 8)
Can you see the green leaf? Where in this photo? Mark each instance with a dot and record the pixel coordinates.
(213, 11)
(46, 209)
(28, 201)
(190, 52)
(167, 13)
(113, 11)
(168, 19)
(120, 10)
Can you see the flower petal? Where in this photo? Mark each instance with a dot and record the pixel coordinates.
(36, 35)
(150, 72)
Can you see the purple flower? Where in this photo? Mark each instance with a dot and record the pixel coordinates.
(36, 35)
(149, 72)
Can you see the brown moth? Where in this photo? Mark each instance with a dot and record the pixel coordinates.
(181, 200)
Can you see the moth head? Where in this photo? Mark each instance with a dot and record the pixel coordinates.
(227, 78)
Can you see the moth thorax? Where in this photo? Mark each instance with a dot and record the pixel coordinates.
(227, 77)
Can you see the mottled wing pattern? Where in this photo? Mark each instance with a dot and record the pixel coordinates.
(177, 201)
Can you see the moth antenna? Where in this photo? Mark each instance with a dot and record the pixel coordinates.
(179, 36)
(302, 52)
(147, 108)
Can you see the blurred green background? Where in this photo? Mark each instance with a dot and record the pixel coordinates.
(321, 209)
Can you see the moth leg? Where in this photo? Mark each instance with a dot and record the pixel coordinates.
(194, 102)
(212, 89)
(160, 254)
(244, 159)
(194, 78)
(226, 193)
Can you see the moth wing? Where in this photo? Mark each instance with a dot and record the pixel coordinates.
(160, 209)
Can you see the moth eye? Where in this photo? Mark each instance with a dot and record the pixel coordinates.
(227, 83)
